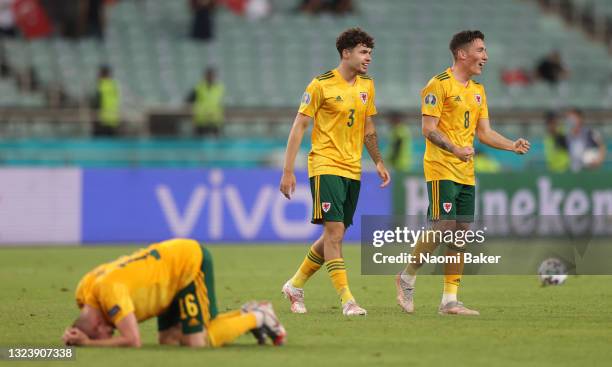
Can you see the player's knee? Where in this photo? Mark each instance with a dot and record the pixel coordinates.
(195, 340)
(334, 239)
(168, 339)
(445, 225)
(463, 226)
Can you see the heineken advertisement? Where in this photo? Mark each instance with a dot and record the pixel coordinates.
(522, 195)
(521, 220)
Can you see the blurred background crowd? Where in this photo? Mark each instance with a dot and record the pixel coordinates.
(216, 83)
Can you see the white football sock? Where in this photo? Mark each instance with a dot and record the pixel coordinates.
(410, 279)
(259, 317)
(449, 297)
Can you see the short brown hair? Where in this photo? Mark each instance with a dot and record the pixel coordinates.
(352, 38)
(464, 38)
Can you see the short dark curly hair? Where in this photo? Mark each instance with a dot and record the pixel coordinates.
(464, 38)
(352, 38)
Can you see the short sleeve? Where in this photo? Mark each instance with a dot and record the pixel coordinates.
(371, 108)
(115, 301)
(432, 98)
(311, 99)
(484, 108)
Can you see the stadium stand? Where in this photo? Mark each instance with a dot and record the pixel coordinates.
(267, 63)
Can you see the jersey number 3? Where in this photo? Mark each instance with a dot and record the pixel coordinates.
(351, 120)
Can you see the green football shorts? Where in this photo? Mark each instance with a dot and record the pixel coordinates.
(195, 305)
(334, 199)
(449, 200)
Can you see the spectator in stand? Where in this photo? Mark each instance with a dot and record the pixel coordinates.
(107, 102)
(92, 18)
(516, 77)
(341, 7)
(586, 146)
(7, 19)
(257, 9)
(337, 7)
(5, 67)
(28, 81)
(203, 19)
(399, 154)
(484, 163)
(551, 68)
(56, 96)
(587, 18)
(207, 102)
(608, 32)
(555, 145)
(64, 15)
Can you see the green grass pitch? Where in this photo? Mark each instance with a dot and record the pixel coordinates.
(522, 324)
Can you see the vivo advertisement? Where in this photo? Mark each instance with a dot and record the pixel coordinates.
(72, 206)
(136, 205)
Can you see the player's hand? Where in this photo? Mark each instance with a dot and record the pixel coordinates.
(464, 153)
(74, 336)
(383, 174)
(287, 184)
(521, 146)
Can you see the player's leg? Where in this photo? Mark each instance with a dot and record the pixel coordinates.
(168, 325)
(293, 288)
(311, 264)
(209, 280)
(225, 327)
(465, 204)
(182, 323)
(439, 220)
(334, 262)
(350, 206)
(196, 326)
(339, 198)
(170, 336)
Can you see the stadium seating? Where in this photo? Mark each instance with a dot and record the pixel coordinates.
(268, 63)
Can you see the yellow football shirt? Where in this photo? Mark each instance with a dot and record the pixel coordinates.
(459, 108)
(144, 283)
(339, 111)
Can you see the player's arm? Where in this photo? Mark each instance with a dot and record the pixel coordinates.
(371, 142)
(429, 127)
(300, 124)
(492, 138)
(129, 335)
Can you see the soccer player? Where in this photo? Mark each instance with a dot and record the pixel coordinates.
(174, 281)
(454, 108)
(341, 101)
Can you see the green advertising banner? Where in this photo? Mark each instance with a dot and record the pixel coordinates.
(522, 219)
(519, 194)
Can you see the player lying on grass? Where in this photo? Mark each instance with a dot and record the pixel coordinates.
(174, 281)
